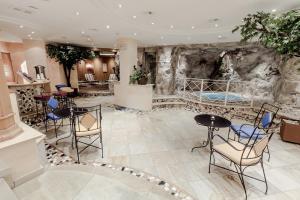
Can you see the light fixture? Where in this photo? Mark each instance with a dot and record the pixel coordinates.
(29, 35)
(274, 10)
(32, 32)
(120, 5)
(77, 13)
(193, 27)
(21, 26)
(89, 39)
(152, 23)
(171, 26)
(216, 25)
(107, 27)
(220, 36)
(134, 16)
(82, 32)
(134, 34)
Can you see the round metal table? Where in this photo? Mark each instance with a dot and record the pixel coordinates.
(212, 122)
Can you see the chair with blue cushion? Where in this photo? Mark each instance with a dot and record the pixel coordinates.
(261, 126)
(52, 104)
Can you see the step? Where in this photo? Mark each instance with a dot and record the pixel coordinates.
(6, 192)
(169, 103)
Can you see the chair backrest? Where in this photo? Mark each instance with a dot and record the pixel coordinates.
(52, 103)
(266, 115)
(90, 118)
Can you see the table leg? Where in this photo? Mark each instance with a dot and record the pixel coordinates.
(207, 142)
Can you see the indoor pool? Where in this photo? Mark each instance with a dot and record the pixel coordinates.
(220, 96)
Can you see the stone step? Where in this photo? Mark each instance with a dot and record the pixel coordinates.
(6, 192)
(168, 103)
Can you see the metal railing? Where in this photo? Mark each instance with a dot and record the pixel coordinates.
(218, 92)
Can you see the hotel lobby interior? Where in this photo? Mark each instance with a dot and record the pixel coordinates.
(152, 100)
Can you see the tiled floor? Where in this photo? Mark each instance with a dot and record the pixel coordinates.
(88, 183)
(159, 143)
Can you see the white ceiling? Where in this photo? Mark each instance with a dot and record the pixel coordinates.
(56, 20)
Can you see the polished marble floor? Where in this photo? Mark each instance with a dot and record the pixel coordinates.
(88, 183)
(159, 143)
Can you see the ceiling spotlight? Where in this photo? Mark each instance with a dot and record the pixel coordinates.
(171, 26)
(77, 13)
(134, 16)
(274, 10)
(220, 36)
(21, 26)
(32, 32)
(193, 27)
(89, 39)
(216, 25)
(152, 23)
(29, 35)
(82, 32)
(107, 27)
(134, 34)
(120, 5)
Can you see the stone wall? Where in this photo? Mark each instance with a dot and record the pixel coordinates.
(227, 61)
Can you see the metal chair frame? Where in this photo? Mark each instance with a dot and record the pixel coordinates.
(76, 122)
(265, 107)
(240, 168)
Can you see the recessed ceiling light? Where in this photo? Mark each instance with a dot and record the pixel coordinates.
(152, 23)
(193, 27)
(32, 32)
(216, 25)
(171, 26)
(134, 34)
(21, 26)
(82, 32)
(120, 5)
(274, 10)
(29, 35)
(107, 26)
(77, 13)
(89, 39)
(134, 16)
(220, 36)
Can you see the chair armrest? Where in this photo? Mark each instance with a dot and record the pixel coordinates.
(216, 135)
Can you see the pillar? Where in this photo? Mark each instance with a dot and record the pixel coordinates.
(131, 95)
(128, 58)
(8, 126)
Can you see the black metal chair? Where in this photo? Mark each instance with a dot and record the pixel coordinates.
(87, 125)
(242, 155)
(261, 126)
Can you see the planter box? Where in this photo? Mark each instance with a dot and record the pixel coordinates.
(290, 131)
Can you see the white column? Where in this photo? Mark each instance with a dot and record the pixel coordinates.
(131, 95)
(128, 58)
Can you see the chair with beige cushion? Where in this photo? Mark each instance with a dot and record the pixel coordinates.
(242, 155)
(88, 127)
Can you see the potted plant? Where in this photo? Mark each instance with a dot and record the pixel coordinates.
(138, 76)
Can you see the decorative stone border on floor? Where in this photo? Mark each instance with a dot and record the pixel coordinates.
(56, 158)
(87, 94)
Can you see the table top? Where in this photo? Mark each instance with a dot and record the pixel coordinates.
(206, 120)
(66, 112)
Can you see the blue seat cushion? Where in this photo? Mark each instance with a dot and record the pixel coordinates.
(52, 116)
(266, 120)
(246, 131)
(52, 103)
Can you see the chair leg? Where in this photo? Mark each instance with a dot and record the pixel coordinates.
(268, 152)
(55, 128)
(240, 174)
(263, 169)
(46, 125)
(101, 143)
(228, 135)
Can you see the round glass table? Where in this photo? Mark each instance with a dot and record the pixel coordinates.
(212, 122)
